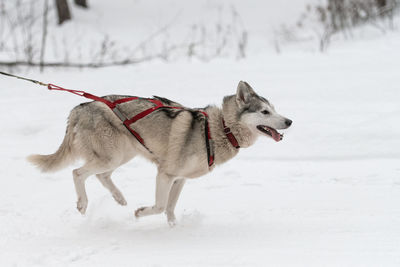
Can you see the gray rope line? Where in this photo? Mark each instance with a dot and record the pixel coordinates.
(22, 78)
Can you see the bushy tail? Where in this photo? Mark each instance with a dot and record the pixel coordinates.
(57, 161)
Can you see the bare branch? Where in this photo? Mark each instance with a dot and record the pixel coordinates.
(44, 34)
(77, 65)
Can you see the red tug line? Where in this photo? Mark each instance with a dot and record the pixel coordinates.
(127, 122)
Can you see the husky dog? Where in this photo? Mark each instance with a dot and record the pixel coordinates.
(174, 138)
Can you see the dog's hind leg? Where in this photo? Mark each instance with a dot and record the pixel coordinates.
(81, 174)
(173, 198)
(105, 179)
(163, 187)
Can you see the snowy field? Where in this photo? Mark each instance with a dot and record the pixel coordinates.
(327, 195)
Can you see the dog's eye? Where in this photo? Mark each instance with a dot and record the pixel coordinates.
(266, 112)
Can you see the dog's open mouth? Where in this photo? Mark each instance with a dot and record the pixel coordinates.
(271, 132)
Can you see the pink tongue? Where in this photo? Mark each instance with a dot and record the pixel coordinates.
(275, 135)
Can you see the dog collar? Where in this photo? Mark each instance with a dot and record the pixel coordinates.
(232, 139)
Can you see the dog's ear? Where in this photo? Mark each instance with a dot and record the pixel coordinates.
(244, 93)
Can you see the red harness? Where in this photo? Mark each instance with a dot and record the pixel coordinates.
(158, 104)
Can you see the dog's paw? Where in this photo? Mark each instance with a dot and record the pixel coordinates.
(81, 205)
(120, 199)
(172, 223)
(171, 219)
(138, 211)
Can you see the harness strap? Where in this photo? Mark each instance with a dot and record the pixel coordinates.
(123, 100)
(127, 122)
(210, 151)
(142, 114)
(111, 105)
(232, 139)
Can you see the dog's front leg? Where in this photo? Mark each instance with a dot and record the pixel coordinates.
(173, 198)
(163, 187)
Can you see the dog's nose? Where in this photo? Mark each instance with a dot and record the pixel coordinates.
(288, 122)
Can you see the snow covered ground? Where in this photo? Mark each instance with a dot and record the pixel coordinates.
(327, 195)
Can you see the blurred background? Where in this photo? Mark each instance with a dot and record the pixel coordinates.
(328, 194)
(84, 33)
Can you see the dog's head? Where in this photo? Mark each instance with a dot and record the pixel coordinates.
(258, 114)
